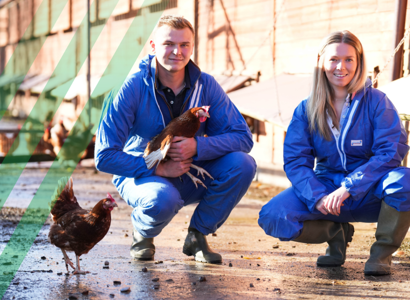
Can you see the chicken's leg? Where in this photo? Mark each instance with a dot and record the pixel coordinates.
(67, 260)
(196, 180)
(77, 269)
(201, 171)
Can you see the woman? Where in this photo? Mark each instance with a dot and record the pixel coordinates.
(356, 136)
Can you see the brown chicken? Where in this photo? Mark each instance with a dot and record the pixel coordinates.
(76, 229)
(58, 135)
(9, 142)
(185, 125)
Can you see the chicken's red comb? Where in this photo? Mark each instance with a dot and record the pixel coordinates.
(110, 197)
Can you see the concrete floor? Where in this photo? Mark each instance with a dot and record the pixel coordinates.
(261, 266)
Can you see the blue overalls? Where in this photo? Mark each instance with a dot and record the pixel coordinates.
(365, 157)
(137, 114)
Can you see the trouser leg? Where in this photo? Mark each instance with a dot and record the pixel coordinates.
(288, 218)
(233, 174)
(155, 201)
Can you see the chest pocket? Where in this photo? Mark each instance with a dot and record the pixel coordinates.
(359, 139)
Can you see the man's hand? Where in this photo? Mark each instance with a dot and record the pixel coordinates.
(320, 206)
(182, 148)
(173, 168)
(334, 201)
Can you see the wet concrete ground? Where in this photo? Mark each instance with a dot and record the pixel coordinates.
(254, 266)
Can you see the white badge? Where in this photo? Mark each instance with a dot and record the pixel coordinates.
(356, 143)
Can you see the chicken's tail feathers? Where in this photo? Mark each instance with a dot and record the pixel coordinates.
(154, 158)
(65, 185)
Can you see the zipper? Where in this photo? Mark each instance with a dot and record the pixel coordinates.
(190, 94)
(156, 100)
(166, 102)
(349, 121)
(336, 135)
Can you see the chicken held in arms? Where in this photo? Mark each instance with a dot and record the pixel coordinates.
(186, 125)
(76, 229)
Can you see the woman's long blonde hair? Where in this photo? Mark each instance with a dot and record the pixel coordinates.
(320, 102)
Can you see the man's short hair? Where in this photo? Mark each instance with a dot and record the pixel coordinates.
(176, 22)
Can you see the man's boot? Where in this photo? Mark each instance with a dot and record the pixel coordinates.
(142, 248)
(337, 235)
(392, 227)
(196, 245)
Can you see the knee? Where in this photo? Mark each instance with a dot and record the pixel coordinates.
(162, 203)
(270, 214)
(277, 218)
(243, 163)
(396, 181)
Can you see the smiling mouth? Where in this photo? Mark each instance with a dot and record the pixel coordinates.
(340, 75)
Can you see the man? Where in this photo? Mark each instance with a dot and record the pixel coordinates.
(167, 85)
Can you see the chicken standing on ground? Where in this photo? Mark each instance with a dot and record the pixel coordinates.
(76, 229)
(186, 125)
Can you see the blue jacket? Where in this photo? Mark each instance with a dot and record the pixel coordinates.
(372, 142)
(138, 112)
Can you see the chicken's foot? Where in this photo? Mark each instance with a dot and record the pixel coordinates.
(201, 171)
(77, 269)
(67, 260)
(196, 180)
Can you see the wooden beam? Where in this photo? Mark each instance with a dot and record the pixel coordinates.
(400, 13)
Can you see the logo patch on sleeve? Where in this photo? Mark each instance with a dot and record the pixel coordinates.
(357, 143)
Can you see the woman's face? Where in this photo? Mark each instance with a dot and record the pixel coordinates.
(340, 64)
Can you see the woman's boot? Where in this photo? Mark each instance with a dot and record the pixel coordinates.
(392, 227)
(337, 235)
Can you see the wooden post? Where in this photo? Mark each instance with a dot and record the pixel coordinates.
(406, 127)
(89, 63)
(399, 29)
(196, 26)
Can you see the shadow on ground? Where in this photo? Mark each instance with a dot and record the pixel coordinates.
(255, 266)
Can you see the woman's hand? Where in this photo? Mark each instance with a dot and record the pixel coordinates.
(334, 201)
(320, 206)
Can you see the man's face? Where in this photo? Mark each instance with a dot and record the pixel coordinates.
(173, 47)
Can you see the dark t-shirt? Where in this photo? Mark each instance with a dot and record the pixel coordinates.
(175, 101)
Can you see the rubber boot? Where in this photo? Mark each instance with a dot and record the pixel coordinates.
(337, 235)
(196, 245)
(392, 227)
(142, 248)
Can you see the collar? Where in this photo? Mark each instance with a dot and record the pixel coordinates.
(360, 93)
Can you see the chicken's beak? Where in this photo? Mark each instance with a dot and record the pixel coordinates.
(114, 204)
